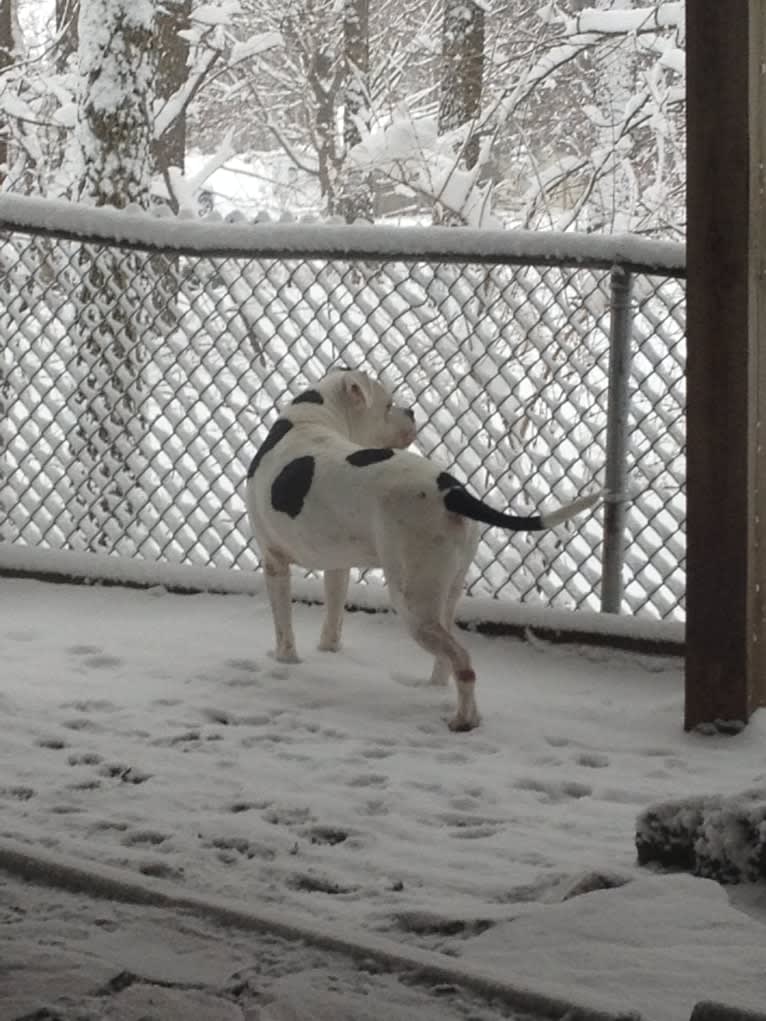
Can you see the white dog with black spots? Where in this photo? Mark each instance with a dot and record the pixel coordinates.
(333, 487)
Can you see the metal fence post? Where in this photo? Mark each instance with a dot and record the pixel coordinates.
(618, 408)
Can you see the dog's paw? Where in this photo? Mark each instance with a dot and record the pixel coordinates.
(329, 644)
(285, 655)
(462, 724)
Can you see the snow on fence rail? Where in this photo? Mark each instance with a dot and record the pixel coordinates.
(142, 359)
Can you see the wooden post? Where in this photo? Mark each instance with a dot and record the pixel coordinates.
(726, 564)
(756, 693)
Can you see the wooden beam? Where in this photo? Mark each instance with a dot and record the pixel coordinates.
(726, 565)
(756, 687)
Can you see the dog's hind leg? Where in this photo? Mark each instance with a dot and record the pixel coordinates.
(420, 599)
(442, 669)
(276, 569)
(335, 589)
(432, 636)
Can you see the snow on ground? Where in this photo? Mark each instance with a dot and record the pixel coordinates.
(103, 961)
(153, 731)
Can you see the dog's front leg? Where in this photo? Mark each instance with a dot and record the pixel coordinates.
(335, 590)
(276, 568)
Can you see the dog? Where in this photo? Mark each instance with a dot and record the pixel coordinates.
(333, 487)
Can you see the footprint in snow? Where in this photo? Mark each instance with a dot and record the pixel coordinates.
(557, 741)
(249, 665)
(227, 719)
(330, 835)
(107, 825)
(270, 737)
(144, 838)
(248, 806)
(376, 753)
(368, 780)
(593, 760)
(89, 705)
(463, 803)
(245, 673)
(18, 792)
(221, 716)
(233, 849)
(126, 774)
(161, 870)
(101, 661)
(310, 883)
(424, 923)
(94, 657)
(84, 785)
(183, 740)
(554, 790)
(55, 744)
(84, 759)
(287, 816)
(81, 723)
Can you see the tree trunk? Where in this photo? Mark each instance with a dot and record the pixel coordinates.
(169, 150)
(67, 12)
(118, 72)
(6, 59)
(321, 82)
(173, 51)
(616, 194)
(356, 200)
(117, 61)
(462, 67)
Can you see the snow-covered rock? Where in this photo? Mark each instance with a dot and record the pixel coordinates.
(721, 838)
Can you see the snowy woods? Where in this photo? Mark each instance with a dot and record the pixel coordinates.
(515, 111)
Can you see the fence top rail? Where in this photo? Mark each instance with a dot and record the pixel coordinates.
(136, 229)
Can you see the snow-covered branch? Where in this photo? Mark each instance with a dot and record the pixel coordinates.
(626, 21)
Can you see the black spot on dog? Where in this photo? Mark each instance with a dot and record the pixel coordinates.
(278, 431)
(369, 455)
(290, 487)
(447, 481)
(309, 397)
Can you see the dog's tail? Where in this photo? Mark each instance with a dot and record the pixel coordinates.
(460, 501)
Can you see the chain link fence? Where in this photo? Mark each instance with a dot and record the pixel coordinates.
(137, 380)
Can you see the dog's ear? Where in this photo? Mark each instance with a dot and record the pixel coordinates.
(357, 388)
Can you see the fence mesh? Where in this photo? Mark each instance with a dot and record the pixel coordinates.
(135, 388)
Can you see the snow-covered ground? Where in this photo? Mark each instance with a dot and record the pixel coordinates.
(153, 732)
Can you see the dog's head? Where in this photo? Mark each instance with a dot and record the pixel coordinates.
(372, 418)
